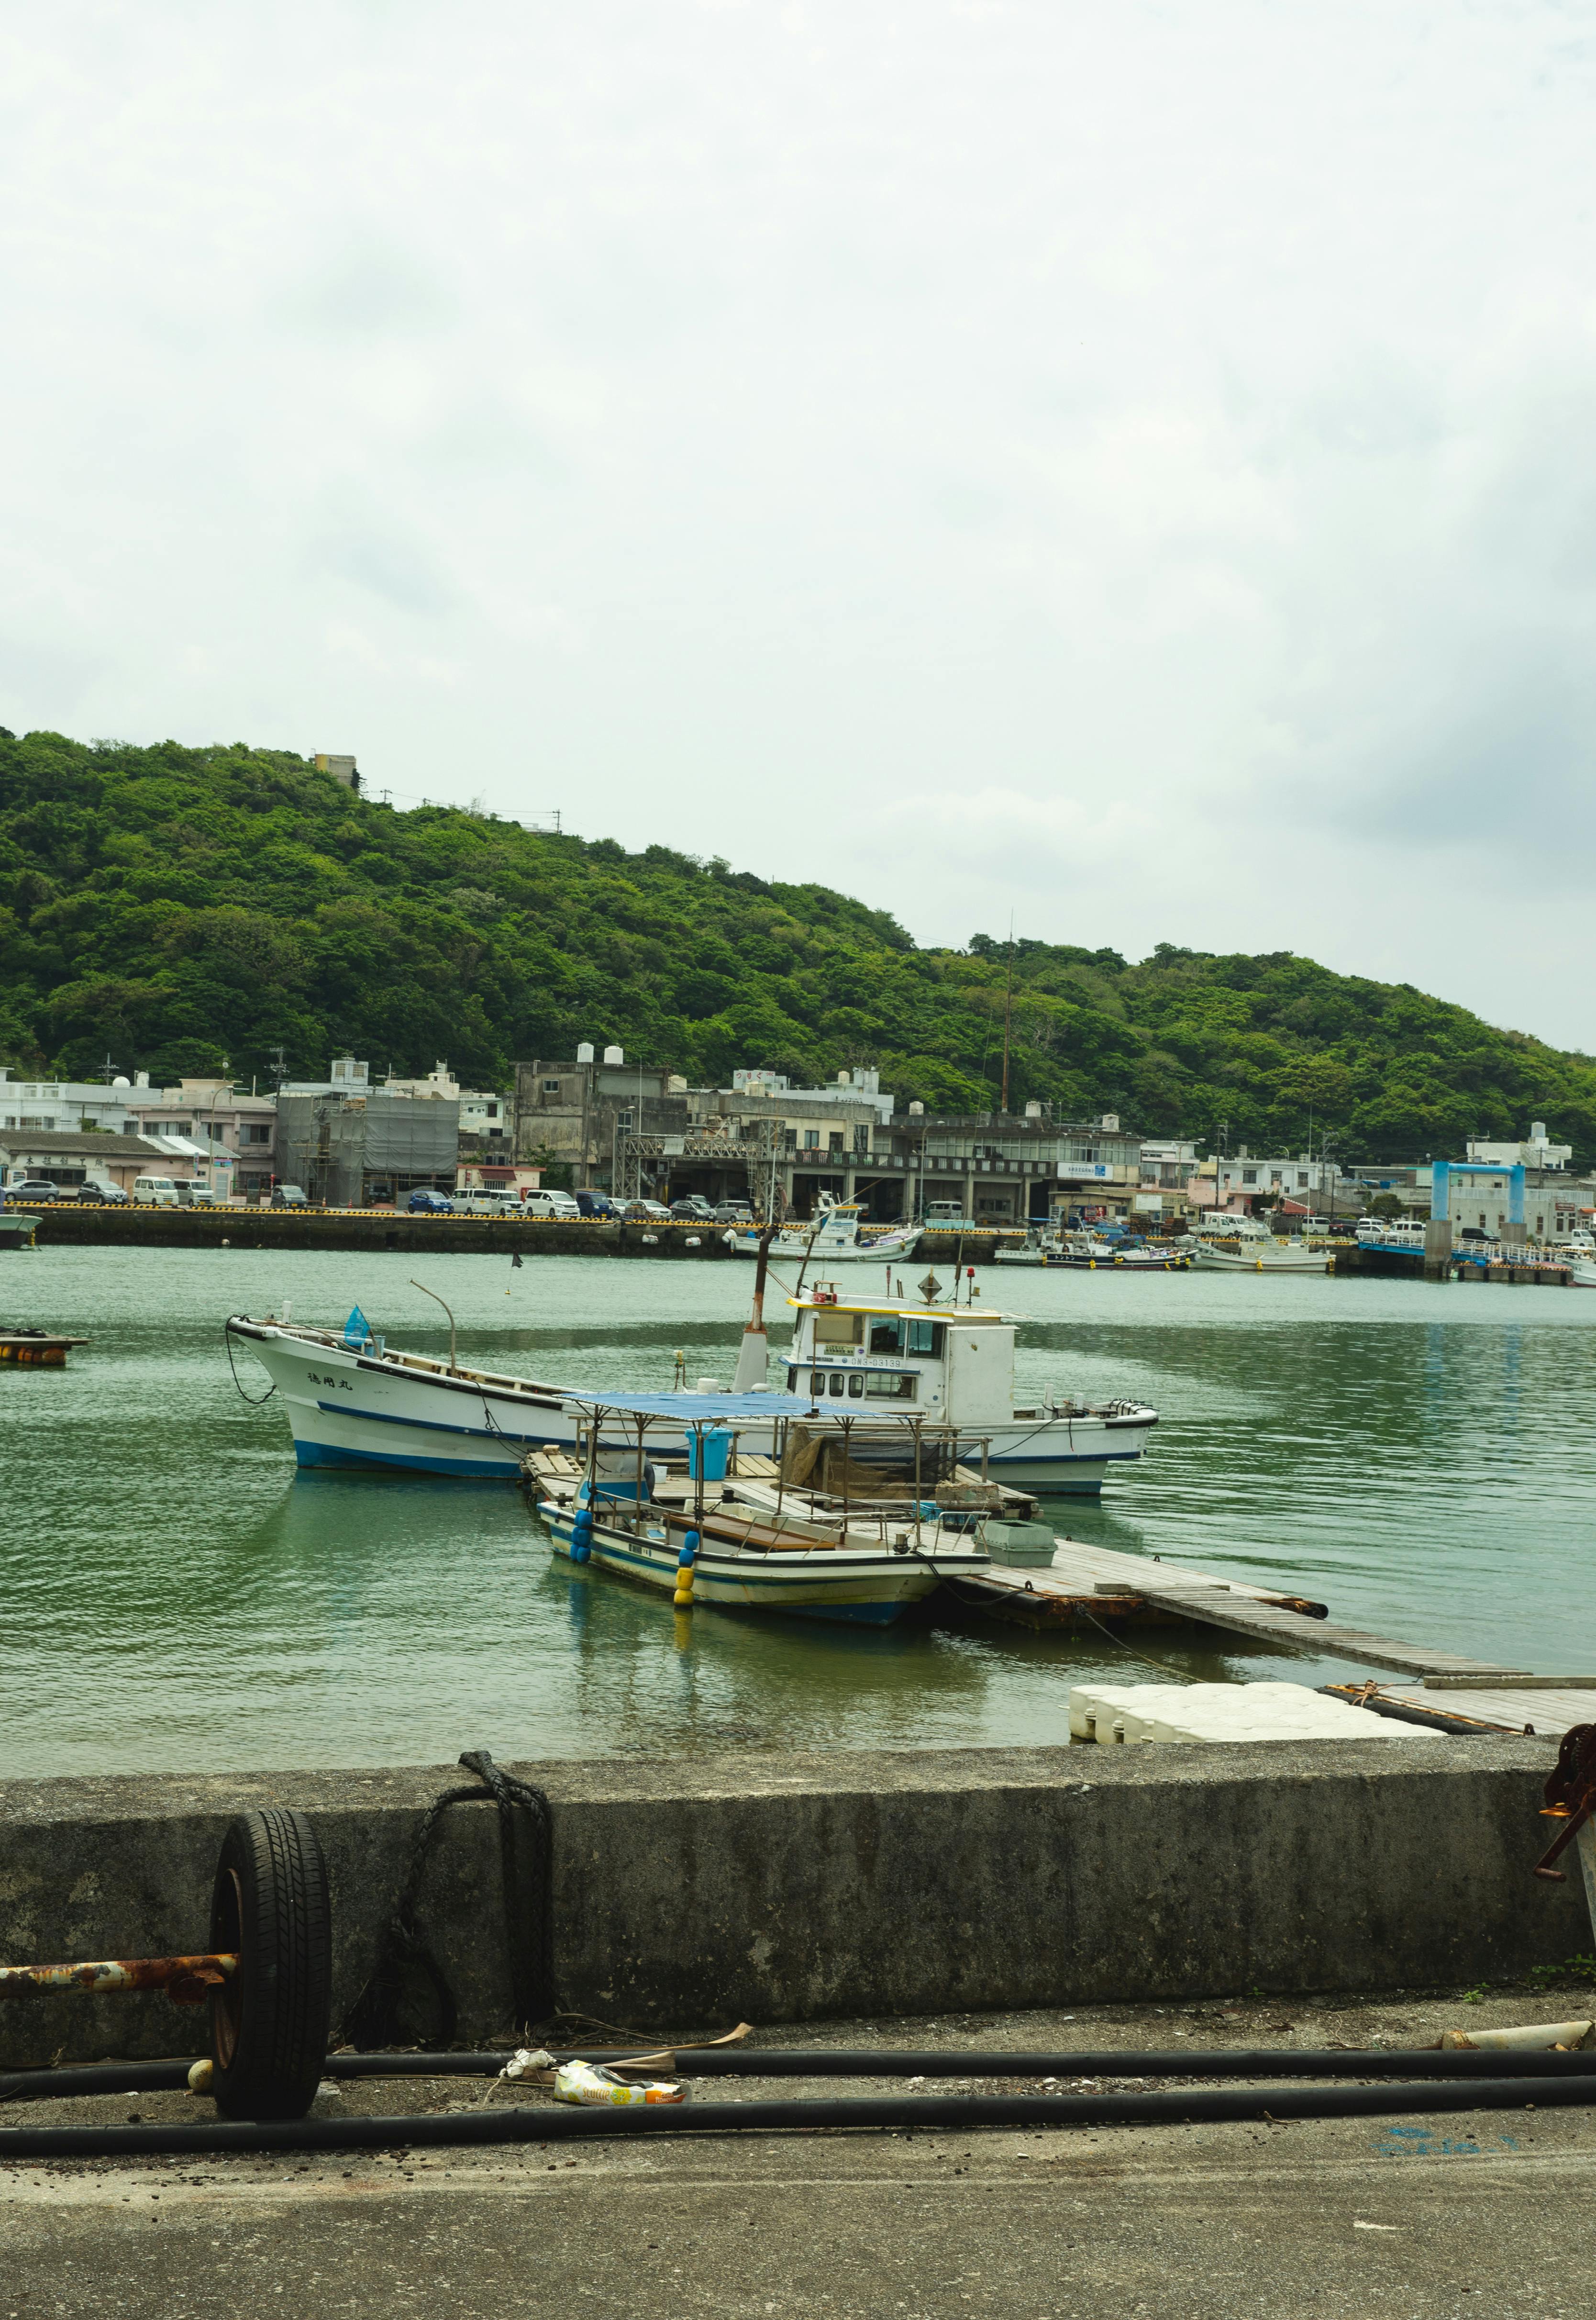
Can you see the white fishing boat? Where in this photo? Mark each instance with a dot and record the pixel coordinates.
(1041, 1247)
(726, 1529)
(353, 1400)
(1044, 1248)
(1270, 1256)
(833, 1237)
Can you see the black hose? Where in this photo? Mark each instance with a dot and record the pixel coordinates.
(557, 2123)
(889, 2062)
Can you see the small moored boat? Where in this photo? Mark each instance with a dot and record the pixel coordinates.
(833, 1238)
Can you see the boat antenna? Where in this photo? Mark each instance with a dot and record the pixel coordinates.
(421, 1285)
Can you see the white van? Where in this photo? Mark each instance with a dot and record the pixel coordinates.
(557, 1205)
(485, 1201)
(156, 1193)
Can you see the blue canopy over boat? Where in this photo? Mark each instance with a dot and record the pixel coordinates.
(697, 1409)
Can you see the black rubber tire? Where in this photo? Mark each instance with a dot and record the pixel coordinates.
(269, 2021)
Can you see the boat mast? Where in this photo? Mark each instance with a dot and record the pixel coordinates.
(753, 1354)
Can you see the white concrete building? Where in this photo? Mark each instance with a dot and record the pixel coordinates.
(1243, 1181)
(1534, 1152)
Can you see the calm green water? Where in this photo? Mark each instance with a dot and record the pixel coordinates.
(175, 1594)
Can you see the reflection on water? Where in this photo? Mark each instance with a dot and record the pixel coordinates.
(176, 1594)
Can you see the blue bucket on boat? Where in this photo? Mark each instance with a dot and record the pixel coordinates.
(714, 1444)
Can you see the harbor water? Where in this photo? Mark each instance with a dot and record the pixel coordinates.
(176, 1595)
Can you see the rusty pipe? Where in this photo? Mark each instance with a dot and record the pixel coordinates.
(192, 1976)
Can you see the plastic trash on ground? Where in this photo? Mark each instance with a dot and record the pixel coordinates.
(528, 2061)
(591, 2082)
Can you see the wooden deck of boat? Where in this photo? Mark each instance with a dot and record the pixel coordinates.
(1101, 1583)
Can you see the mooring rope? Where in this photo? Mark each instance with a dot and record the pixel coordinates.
(373, 2020)
(254, 1399)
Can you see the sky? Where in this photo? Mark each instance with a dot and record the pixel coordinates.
(1127, 470)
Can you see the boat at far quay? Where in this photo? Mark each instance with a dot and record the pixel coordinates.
(833, 1237)
(947, 1360)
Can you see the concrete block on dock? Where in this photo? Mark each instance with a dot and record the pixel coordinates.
(1120, 1713)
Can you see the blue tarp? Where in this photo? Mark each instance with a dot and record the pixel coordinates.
(698, 1409)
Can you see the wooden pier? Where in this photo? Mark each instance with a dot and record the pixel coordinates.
(1101, 1584)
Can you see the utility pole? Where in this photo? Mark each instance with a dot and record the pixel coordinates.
(1008, 996)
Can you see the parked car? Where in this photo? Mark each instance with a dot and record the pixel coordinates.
(558, 1206)
(156, 1193)
(39, 1188)
(433, 1204)
(693, 1210)
(598, 1205)
(197, 1196)
(288, 1196)
(646, 1212)
(100, 1192)
(732, 1212)
(487, 1200)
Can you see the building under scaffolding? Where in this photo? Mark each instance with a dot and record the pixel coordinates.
(353, 1151)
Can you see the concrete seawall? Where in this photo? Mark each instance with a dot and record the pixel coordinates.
(795, 1887)
(68, 1226)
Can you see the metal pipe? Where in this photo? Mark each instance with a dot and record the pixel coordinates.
(111, 1974)
(557, 2123)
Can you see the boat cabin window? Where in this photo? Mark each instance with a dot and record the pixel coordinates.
(889, 1385)
(856, 1385)
(926, 1338)
(838, 1377)
(834, 1329)
(887, 1333)
(817, 1383)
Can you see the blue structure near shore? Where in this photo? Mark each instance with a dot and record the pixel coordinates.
(1440, 1186)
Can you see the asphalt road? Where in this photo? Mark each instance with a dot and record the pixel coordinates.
(1408, 2219)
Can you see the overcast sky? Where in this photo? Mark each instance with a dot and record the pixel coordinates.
(1130, 467)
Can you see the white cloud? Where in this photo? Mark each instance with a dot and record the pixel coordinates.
(1129, 466)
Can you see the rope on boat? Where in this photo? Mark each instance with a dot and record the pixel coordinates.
(254, 1399)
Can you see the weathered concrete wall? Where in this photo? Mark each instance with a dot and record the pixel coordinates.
(787, 1888)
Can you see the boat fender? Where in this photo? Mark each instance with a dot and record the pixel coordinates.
(683, 1597)
(581, 1536)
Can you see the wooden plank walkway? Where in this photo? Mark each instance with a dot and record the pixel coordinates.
(1106, 1584)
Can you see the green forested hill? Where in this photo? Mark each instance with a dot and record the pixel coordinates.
(174, 908)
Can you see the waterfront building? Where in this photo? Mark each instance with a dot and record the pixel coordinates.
(359, 1148)
(68, 1107)
(222, 1135)
(578, 1115)
(1242, 1183)
(71, 1159)
(1006, 1169)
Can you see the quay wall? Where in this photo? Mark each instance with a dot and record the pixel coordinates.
(382, 1228)
(789, 1888)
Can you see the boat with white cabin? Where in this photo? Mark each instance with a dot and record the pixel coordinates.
(353, 1400)
(834, 1236)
